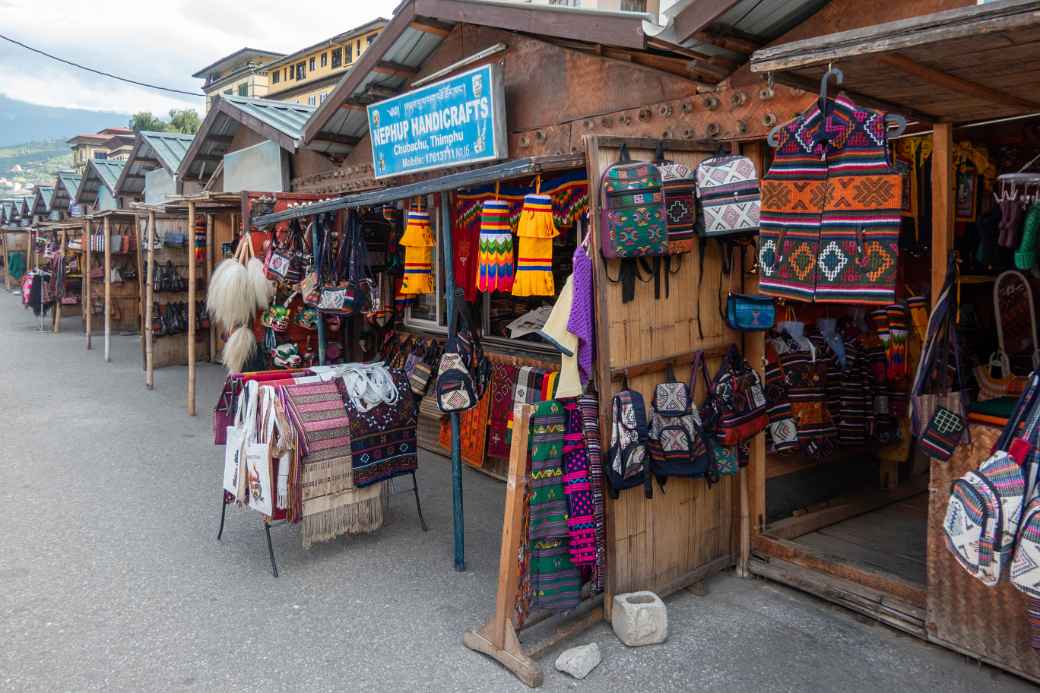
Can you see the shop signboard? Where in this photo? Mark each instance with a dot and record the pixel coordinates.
(454, 122)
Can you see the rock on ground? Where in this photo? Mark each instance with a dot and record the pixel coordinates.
(579, 661)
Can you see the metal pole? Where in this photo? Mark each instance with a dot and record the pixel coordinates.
(192, 277)
(321, 320)
(444, 258)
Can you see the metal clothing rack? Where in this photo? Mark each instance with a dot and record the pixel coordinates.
(267, 523)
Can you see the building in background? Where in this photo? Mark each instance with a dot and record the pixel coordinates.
(309, 75)
(241, 73)
(110, 143)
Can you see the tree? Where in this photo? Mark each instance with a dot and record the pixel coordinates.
(184, 120)
(145, 120)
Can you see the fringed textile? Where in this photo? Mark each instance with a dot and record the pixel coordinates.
(418, 271)
(534, 262)
(577, 488)
(588, 405)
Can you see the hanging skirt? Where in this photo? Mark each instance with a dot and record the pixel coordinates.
(495, 256)
(534, 268)
(418, 270)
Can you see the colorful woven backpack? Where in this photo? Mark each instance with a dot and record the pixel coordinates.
(678, 443)
(633, 214)
(729, 195)
(679, 182)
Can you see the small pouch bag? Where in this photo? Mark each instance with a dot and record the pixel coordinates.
(748, 313)
(943, 434)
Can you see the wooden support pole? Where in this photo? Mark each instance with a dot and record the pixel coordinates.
(7, 262)
(88, 285)
(942, 203)
(444, 258)
(497, 638)
(143, 317)
(56, 315)
(108, 289)
(192, 275)
(149, 374)
(209, 275)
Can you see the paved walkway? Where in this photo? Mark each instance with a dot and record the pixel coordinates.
(111, 578)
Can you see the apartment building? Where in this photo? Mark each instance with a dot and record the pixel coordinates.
(242, 73)
(309, 75)
(110, 143)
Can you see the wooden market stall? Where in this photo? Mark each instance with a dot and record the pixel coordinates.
(963, 131)
(647, 92)
(72, 286)
(112, 262)
(15, 243)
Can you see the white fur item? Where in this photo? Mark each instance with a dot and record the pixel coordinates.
(231, 299)
(262, 288)
(239, 347)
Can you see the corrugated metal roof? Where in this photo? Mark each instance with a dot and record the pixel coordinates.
(151, 151)
(66, 186)
(42, 199)
(274, 120)
(99, 172)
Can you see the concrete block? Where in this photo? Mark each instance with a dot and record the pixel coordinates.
(640, 618)
(579, 661)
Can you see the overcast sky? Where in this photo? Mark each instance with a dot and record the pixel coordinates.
(158, 42)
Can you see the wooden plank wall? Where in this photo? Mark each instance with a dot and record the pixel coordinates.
(988, 623)
(659, 543)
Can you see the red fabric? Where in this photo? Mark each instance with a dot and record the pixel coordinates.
(466, 239)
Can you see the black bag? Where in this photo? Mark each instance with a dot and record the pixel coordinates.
(464, 371)
(629, 458)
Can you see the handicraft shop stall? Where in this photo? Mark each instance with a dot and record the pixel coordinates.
(922, 518)
(112, 275)
(16, 245)
(67, 264)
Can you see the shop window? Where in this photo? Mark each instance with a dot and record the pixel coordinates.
(300, 70)
(324, 95)
(243, 89)
(348, 53)
(311, 63)
(370, 38)
(276, 77)
(325, 59)
(633, 5)
(312, 100)
(228, 92)
(337, 57)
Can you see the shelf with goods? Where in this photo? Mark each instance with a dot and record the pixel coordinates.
(67, 266)
(112, 272)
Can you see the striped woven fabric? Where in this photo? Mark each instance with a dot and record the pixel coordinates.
(555, 582)
(331, 506)
(830, 215)
(588, 405)
(383, 440)
(577, 488)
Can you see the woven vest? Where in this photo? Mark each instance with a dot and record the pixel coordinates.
(831, 210)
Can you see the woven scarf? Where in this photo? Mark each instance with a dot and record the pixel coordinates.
(588, 405)
(503, 381)
(578, 490)
(554, 579)
(383, 440)
(473, 430)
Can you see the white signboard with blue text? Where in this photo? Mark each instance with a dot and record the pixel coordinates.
(454, 122)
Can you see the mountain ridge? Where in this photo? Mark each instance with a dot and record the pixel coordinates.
(22, 122)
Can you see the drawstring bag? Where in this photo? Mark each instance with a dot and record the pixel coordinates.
(464, 371)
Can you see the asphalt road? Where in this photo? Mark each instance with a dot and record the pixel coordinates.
(111, 578)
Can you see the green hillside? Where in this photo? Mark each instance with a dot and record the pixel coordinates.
(25, 165)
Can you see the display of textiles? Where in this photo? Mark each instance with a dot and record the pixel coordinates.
(383, 439)
(503, 382)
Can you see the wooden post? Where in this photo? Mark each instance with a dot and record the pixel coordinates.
(108, 289)
(149, 374)
(942, 203)
(141, 293)
(88, 285)
(444, 258)
(192, 274)
(56, 315)
(321, 320)
(7, 261)
(497, 638)
(209, 276)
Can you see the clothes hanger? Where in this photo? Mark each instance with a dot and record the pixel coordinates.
(893, 121)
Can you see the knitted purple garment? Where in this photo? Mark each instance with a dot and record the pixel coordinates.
(581, 322)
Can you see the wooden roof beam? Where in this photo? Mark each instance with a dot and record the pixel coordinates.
(735, 44)
(430, 26)
(388, 67)
(953, 82)
(812, 86)
(335, 138)
(698, 15)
